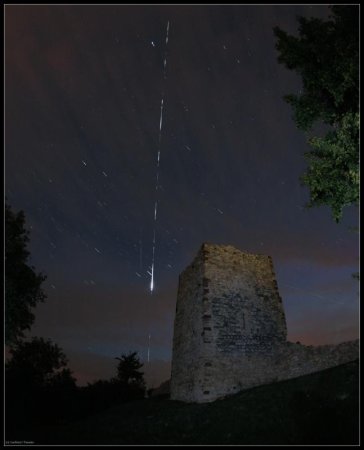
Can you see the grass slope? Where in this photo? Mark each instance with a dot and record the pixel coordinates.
(321, 408)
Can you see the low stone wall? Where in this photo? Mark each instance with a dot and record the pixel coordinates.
(302, 359)
(229, 375)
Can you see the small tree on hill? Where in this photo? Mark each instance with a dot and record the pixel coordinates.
(128, 371)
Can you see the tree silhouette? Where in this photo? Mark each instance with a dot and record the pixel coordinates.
(128, 371)
(22, 284)
(39, 386)
(326, 56)
(39, 363)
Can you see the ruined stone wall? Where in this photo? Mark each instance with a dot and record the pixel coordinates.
(297, 360)
(230, 329)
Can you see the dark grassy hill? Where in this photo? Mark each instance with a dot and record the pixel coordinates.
(321, 408)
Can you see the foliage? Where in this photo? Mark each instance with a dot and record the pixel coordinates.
(41, 390)
(100, 395)
(22, 284)
(38, 363)
(39, 386)
(326, 56)
(333, 172)
(103, 394)
(128, 370)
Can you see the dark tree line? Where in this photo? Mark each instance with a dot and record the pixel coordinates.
(39, 387)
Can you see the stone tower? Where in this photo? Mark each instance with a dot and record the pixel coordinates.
(228, 310)
(230, 330)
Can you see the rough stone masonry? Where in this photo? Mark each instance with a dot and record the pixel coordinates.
(230, 329)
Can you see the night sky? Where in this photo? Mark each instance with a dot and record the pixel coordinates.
(83, 93)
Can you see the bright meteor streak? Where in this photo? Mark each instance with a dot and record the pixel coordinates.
(161, 118)
(152, 279)
(151, 273)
